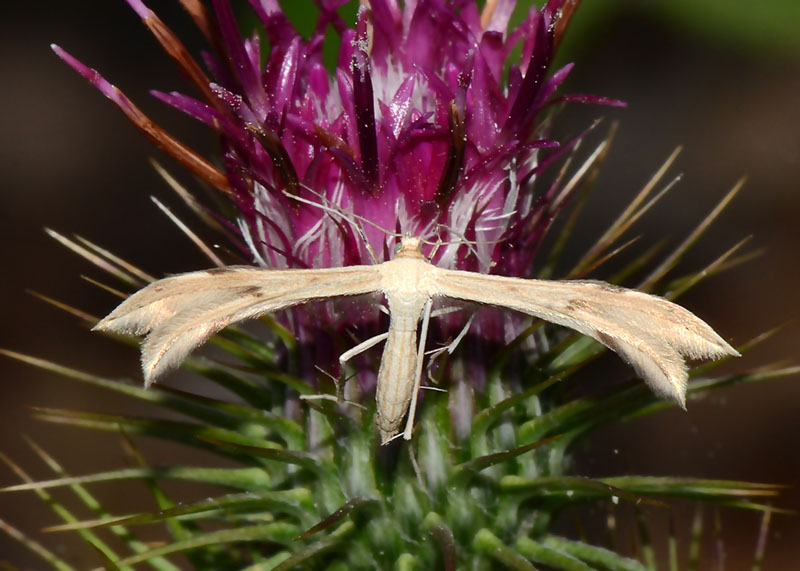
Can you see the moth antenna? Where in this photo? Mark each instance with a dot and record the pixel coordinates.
(354, 219)
(462, 240)
(349, 217)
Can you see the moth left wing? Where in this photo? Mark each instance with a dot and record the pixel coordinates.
(652, 334)
(181, 312)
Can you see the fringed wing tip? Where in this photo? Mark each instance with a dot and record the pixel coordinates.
(155, 366)
(669, 377)
(123, 324)
(681, 402)
(728, 349)
(103, 325)
(156, 359)
(149, 377)
(671, 386)
(122, 319)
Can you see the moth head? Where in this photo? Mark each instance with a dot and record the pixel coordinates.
(409, 247)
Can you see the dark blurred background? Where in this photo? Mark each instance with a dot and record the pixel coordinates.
(720, 77)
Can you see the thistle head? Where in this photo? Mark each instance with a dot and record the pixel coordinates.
(432, 125)
(429, 138)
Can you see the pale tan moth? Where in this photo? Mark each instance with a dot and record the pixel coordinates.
(179, 313)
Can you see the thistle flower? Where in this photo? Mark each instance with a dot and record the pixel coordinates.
(417, 132)
(429, 126)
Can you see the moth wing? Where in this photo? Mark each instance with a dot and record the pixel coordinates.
(181, 312)
(652, 334)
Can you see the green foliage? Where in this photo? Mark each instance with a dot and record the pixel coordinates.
(314, 489)
(343, 500)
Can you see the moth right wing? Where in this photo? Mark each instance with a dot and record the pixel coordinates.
(181, 312)
(652, 334)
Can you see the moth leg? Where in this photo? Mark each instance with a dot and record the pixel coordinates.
(434, 353)
(449, 348)
(423, 334)
(361, 347)
(445, 310)
(339, 398)
(349, 354)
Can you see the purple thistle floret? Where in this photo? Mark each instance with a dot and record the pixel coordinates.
(417, 132)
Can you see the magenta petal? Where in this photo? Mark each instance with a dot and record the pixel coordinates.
(283, 90)
(470, 16)
(435, 35)
(192, 107)
(279, 30)
(548, 87)
(97, 80)
(236, 103)
(238, 60)
(493, 51)
(419, 130)
(527, 102)
(387, 31)
(397, 112)
(363, 102)
(252, 47)
(483, 99)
